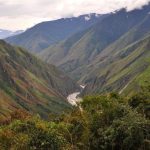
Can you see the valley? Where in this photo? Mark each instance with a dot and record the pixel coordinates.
(86, 47)
(77, 77)
(106, 58)
(28, 83)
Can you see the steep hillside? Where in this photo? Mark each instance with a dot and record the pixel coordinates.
(125, 71)
(44, 34)
(113, 33)
(28, 83)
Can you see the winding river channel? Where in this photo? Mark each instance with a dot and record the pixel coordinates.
(74, 97)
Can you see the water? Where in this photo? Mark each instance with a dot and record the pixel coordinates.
(73, 98)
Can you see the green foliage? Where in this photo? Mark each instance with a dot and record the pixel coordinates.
(113, 124)
(141, 101)
(31, 134)
(101, 122)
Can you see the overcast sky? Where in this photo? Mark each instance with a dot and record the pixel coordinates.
(21, 14)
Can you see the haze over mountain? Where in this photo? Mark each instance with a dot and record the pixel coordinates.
(44, 34)
(86, 55)
(7, 33)
(28, 83)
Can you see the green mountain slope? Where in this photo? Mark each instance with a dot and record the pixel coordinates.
(122, 70)
(141, 30)
(28, 83)
(77, 54)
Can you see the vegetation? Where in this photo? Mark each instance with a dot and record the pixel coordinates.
(99, 122)
(30, 84)
(111, 55)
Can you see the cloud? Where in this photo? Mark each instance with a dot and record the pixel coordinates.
(21, 14)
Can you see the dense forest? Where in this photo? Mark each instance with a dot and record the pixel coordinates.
(106, 122)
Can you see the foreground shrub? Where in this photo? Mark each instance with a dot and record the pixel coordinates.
(102, 122)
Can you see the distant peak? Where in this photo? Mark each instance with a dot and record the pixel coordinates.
(88, 17)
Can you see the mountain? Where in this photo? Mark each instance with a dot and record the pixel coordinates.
(86, 55)
(7, 33)
(30, 84)
(44, 34)
(125, 71)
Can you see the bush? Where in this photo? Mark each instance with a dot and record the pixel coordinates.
(104, 122)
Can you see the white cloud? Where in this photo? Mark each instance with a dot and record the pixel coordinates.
(21, 14)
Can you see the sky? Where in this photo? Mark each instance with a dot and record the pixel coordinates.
(22, 14)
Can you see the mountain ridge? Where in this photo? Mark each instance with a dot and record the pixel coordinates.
(94, 50)
(47, 33)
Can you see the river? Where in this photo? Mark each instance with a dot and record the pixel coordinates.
(73, 98)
